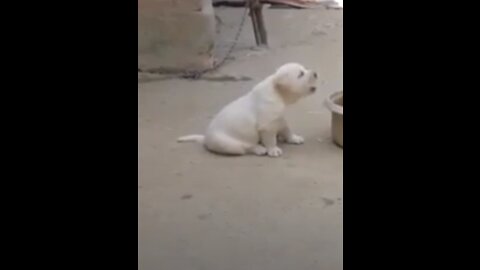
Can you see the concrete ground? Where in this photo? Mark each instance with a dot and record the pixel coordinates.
(207, 212)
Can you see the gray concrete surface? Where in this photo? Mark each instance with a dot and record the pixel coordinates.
(207, 212)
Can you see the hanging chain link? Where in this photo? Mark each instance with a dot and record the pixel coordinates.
(195, 75)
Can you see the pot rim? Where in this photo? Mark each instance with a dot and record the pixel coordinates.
(331, 105)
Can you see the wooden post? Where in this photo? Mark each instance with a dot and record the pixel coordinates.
(257, 22)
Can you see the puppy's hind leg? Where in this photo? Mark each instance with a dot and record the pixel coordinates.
(226, 145)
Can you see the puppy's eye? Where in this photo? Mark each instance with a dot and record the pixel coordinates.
(301, 74)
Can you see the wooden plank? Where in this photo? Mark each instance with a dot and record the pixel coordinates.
(258, 23)
(290, 3)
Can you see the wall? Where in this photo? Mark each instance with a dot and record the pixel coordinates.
(175, 35)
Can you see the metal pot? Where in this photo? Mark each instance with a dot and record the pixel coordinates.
(334, 103)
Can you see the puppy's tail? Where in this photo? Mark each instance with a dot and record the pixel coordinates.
(191, 138)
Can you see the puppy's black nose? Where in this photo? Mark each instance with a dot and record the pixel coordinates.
(315, 74)
(313, 89)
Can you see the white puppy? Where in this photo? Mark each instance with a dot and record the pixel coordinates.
(253, 123)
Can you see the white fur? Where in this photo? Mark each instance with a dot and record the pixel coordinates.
(252, 123)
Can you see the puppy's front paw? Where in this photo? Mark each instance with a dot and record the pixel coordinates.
(295, 139)
(274, 152)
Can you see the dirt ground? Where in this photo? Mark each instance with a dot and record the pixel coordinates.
(202, 211)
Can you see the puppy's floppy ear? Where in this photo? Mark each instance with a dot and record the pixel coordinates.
(280, 83)
(283, 88)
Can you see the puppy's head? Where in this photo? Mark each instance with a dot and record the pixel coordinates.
(293, 81)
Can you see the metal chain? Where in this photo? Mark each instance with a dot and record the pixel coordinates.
(195, 75)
